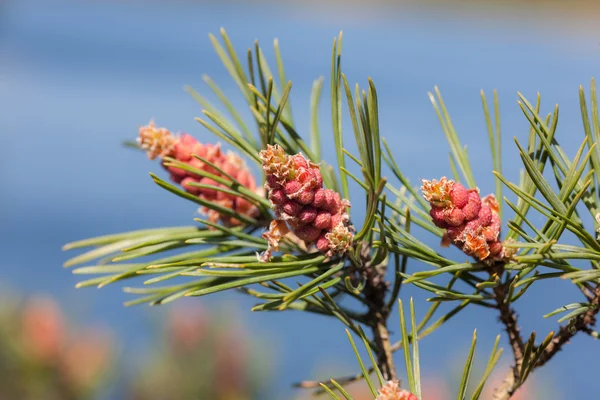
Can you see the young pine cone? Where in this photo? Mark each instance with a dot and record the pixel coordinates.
(471, 223)
(161, 143)
(315, 214)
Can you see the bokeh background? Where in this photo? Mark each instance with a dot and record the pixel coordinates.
(77, 78)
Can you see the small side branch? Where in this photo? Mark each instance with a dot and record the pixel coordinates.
(508, 317)
(581, 323)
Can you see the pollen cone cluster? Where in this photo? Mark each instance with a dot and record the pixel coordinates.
(392, 391)
(161, 143)
(471, 223)
(316, 215)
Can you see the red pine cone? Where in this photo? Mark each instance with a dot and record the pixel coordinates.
(471, 223)
(315, 214)
(160, 143)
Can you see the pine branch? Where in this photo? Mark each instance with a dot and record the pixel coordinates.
(544, 352)
(581, 323)
(508, 317)
(375, 291)
(311, 236)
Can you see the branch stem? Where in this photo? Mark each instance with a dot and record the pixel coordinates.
(581, 323)
(508, 317)
(375, 291)
(384, 357)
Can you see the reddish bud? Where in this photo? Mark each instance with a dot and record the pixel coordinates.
(278, 196)
(471, 210)
(185, 182)
(473, 226)
(159, 142)
(234, 171)
(323, 220)
(337, 203)
(292, 187)
(305, 197)
(273, 182)
(307, 215)
(243, 206)
(338, 219)
(308, 178)
(208, 192)
(331, 204)
(485, 215)
(454, 216)
(200, 150)
(182, 153)
(292, 208)
(322, 243)
(308, 233)
(459, 195)
(437, 216)
(318, 177)
(455, 232)
(495, 248)
(303, 204)
(299, 161)
(188, 140)
(320, 198)
(177, 172)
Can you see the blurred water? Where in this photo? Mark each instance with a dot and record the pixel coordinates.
(77, 79)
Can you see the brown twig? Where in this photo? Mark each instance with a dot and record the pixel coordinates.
(581, 323)
(508, 317)
(375, 290)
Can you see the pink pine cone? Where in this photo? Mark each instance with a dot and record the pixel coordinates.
(160, 142)
(315, 214)
(471, 223)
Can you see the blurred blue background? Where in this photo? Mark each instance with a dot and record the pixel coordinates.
(78, 78)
